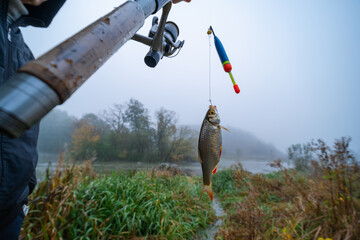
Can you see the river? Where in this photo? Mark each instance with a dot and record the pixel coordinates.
(194, 168)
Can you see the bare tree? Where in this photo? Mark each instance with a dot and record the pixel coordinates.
(115, 118)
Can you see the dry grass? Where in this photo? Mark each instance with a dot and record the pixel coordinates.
(291, 205)
(53, 199)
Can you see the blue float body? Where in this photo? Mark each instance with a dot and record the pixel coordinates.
(221, 50)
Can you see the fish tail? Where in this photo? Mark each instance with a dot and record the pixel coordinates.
(208, 189)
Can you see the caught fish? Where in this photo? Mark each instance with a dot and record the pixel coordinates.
(210, 146)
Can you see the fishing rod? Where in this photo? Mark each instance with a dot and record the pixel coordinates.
(224, 58)
(48, 81)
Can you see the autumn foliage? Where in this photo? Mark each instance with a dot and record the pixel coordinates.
(126, 132)
(84, 140)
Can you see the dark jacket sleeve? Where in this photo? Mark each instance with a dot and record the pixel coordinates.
(32, 183)
(18, 157)
(41, 16)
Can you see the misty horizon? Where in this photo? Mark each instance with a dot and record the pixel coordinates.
(238, 144)
(296, 64)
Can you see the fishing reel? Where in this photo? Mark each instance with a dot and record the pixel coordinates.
(162, 39)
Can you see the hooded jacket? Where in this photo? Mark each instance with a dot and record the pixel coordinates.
(18, 157)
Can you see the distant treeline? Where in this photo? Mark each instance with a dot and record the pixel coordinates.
(123, 132)
(127, 132)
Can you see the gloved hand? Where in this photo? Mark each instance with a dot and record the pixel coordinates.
(38, 2)
(177, 1)
(33, 2)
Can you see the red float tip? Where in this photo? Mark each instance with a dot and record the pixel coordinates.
(227, 67)
(236, 88)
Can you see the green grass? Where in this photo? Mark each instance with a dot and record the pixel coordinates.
(140, 205)
(129, 205)
(223, 184)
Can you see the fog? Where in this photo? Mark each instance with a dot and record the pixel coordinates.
(296, 63)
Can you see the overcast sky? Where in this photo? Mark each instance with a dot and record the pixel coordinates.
(297, 64)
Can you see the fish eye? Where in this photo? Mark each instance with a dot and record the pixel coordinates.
(212, 112)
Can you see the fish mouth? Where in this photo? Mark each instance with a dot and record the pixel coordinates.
(214, 120)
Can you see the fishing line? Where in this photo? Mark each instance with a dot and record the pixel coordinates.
(209, 35)
(210, 69)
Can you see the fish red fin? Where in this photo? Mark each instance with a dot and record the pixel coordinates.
(208, 189)
(214, 171)
(220, 152)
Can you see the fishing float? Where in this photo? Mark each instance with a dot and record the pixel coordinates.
(224, 58)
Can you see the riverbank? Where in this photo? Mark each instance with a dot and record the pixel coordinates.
(76, 203)
(321, 203)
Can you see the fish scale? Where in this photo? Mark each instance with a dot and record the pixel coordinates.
(209, 147)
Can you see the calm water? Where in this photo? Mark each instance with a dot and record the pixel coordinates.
(254, 166)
